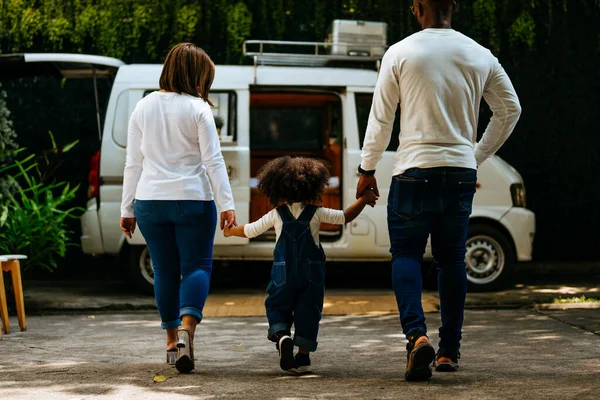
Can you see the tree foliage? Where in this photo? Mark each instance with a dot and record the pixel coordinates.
(140, 30)
(8, 145)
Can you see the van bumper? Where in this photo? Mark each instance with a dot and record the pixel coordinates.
(91, 239)
(520, 222)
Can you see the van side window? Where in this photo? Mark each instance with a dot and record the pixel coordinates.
(363, 109)
(224, 112)
(121, 120)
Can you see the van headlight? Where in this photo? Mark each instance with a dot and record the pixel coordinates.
(517, 192)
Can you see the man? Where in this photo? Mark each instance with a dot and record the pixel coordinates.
(438, 77)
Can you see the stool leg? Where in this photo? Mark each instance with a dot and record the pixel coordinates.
(18, 289)
(3, 305)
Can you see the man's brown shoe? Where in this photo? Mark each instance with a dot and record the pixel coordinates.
(446, 362)
(419, 359)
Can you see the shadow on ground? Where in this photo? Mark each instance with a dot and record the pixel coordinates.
(506, 354)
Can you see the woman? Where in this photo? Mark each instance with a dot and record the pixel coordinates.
(172, 150)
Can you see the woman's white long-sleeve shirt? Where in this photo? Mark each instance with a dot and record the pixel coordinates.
(172, 150)
(438, 77)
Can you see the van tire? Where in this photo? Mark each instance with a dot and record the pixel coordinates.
(490, 258)
(143, 279)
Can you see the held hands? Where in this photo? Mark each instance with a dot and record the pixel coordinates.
(367, 182)
(234, 230)
(369, 197)
(128, 226)
(228, 220)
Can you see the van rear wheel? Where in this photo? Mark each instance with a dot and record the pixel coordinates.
(140, 269)
(490, 258)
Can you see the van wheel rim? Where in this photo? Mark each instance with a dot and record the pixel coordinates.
(485, 260)
(146, 266)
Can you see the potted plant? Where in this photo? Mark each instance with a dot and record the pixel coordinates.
(219, 123)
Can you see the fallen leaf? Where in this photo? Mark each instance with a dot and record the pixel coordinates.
(159, 378)
(240, 345)
(91, 317)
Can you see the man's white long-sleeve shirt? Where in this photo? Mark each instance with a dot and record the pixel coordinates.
(172, 149)
(438, 77)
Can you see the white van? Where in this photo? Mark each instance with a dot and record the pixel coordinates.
(265, 111)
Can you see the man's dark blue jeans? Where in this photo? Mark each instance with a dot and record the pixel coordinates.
(436, 202)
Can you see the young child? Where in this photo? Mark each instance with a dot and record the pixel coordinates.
(297, 287)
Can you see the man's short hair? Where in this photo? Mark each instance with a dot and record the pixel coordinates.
(441, 6)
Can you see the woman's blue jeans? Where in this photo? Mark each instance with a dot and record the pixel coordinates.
(436, 202)
(180, 236)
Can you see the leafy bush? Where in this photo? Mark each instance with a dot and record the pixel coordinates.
(8, 146)
(33, 220)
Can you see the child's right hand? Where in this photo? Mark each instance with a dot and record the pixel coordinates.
(369, 197)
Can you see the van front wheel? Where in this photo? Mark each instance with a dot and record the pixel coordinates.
(490, 258)
(140, 269)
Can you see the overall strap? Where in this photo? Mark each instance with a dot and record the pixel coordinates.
(285, 214)
(308, 213)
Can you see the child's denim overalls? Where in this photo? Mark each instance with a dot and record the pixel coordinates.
(297, 285)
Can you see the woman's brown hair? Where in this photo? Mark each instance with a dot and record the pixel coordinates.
(188, 69)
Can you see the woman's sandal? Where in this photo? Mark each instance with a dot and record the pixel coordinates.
(185, 352)
(171, 356)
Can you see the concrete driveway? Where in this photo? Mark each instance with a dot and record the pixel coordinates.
(507, 354)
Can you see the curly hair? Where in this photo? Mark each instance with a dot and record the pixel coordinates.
(293, 180)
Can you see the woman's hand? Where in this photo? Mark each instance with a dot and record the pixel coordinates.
(228, 219)
(128, 226)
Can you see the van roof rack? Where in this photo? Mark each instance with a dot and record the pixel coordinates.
(314, 54)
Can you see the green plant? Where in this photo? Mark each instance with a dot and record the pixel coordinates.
(8, 146)
(33, 219)
(219, 122)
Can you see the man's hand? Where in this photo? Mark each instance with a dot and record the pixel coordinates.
(228, 219)
(128, 226)
(369, 197)
(367, 182)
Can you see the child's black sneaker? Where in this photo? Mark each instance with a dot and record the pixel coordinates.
(285, 345)
(447, 361)
(419, 359)
(302, 364)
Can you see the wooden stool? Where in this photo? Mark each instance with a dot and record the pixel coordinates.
(10, 263)
(3, 307)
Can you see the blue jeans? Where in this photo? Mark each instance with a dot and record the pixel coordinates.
(436, 202)
(180, 236)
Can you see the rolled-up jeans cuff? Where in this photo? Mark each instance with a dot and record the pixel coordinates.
(191, 311)
(171, 324)
(279, 326)
(305, 344)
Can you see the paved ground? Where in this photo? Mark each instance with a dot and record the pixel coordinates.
(44, 296)
(507, 354)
